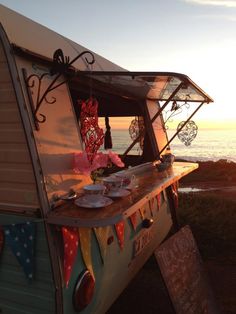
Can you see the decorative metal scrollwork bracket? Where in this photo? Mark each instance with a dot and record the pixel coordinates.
(61, 66)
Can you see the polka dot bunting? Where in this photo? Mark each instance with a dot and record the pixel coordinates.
(20, 238)
(71, 242)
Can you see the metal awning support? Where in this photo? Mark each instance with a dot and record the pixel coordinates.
(61, 64)
(168, 143)
(154, 117)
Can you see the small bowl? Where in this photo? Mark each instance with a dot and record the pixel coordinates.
(94, 189)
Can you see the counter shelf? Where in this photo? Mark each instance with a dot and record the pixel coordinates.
(150, 183)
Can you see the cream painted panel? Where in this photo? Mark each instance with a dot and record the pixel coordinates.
(160, 134)
(58, 138)
(17, 181)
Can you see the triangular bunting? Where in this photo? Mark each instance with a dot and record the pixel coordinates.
(151, 206)
(71, 242)
(120, 232)
(20, 238)
(101, 234)
(142, 212)
(1, 240)
(158, 199)
(85, 245)
(174, 188)
(133, 220)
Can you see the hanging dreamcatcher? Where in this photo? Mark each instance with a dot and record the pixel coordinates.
(92, 134)
(187, 131)
(136, 129)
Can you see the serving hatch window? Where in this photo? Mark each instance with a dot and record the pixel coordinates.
(123, 131)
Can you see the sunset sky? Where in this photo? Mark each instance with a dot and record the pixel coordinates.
(194, 37)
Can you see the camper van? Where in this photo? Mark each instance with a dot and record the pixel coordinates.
(78, 216)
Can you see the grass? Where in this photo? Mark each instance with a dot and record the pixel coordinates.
(213, 222)
(212, 218)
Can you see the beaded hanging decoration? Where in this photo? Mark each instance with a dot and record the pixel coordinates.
(188, 133)
(92, 134)
(136, 128)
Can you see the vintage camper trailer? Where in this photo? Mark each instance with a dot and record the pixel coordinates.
(59, 251)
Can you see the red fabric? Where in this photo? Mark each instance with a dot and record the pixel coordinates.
(120, 231)
(92, 135)
(71, 242)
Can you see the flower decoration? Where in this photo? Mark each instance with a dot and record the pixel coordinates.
(95, 167)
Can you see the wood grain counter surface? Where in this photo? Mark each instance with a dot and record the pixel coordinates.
(150, 183)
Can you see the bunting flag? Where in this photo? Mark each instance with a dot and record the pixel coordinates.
(133, 220)
(85, 245)
(174, 188)
(151, 206)
(142, 212)
(1, 240)
(158, 198)
(120, 232)
(71, 242)
(101, 234)
(20, 238)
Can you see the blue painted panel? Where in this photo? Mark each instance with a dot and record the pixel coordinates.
(17, 295)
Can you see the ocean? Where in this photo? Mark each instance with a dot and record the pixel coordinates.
(208, 145)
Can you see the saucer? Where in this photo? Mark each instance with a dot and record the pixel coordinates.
(89, 201)
(118, 193)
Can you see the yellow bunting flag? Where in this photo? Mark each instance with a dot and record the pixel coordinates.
(142, 212)
(101, 234)
(120, 231)
(133, 220)
(85, 245)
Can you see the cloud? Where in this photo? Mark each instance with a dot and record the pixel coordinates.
(231, 18)
(222, 3)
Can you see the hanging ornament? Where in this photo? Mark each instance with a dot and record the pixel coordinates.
(136, 129)
(92, 134)
(188, 133)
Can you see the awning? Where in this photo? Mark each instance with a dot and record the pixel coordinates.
(147, 85)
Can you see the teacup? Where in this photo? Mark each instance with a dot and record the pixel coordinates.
(94, 189)
(127, 179)
(112, 183)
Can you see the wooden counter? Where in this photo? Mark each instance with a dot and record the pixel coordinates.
(150, 183)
